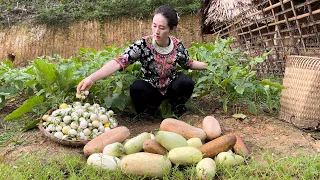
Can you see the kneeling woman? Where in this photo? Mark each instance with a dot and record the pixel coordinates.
(159, 55)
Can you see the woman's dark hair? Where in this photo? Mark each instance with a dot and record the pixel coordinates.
(169, 13)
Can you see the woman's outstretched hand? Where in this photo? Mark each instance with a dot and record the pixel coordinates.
(85, 85)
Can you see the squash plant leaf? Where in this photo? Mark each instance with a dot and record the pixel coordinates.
(66, 79)
(252, 108)
(240, 88)
(107, 101)
(225, 82)
(32, 124)
(9, 64)
(27, 106)
(120, 101)
(202, 79)
(166, 111)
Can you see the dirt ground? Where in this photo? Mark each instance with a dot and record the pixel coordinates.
(260, 133)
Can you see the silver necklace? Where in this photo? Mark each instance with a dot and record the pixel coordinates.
(162, 50)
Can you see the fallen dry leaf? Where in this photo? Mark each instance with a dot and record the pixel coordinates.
(239, 116)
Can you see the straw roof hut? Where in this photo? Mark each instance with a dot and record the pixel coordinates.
(215, 12)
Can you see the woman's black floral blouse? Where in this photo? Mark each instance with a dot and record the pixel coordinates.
(157, 69)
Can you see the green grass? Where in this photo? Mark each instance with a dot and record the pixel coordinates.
(5, 136)
(8, 129)
(66, 166)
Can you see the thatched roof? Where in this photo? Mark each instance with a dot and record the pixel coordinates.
(215, 12)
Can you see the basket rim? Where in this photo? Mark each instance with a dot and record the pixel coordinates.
(57, 140)
(61, 141)
(299, 56)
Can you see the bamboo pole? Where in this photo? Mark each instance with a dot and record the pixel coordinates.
(283, 21)
(267, 8)
(255, 13)
(271, 24)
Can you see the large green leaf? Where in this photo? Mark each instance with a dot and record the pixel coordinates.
(133, 67)
(9, 90)
(30, 82)
(252, 108)
(9, 64)
(240, 88)
(66, 79)
(120, 101)
(225, 82)
(46, 72)
(107, 101)
(211, 68)
(166, 110)
(251, 74)
(83, 50)
(30, 70)
(108, 81)
(119, 87)
(197, 45)
(31, 125)
(4, 94)
(202, 79)
(27, 106)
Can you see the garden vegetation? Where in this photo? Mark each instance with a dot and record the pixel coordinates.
(61, 12)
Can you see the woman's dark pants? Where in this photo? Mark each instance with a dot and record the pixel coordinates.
(147, 98)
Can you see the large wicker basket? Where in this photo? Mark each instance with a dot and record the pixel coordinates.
(300, 100)
(66, 142)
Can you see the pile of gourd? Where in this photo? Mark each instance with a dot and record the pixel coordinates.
(177, 142)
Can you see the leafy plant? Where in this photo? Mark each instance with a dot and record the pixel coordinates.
(112, 92)
(53, 13)
(51, 85)
(166, 110)
(12, 81)
(230, 74)
(53, 80)
(271, 95)
(49, 81)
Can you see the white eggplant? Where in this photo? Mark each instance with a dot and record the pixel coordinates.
(83, 124)
(96, 123)
(103, 119)
(58, 135)
(93, 117)
(87, 132)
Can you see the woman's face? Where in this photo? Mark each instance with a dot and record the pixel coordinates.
(160, 28)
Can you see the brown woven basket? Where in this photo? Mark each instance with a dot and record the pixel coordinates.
(300, 100)
(66, 142)
(60, 141)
